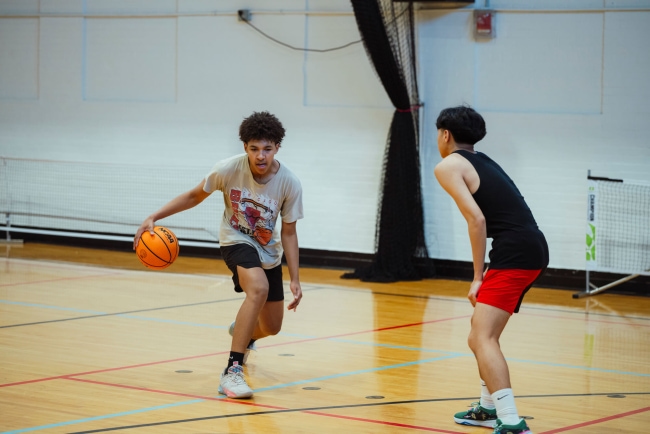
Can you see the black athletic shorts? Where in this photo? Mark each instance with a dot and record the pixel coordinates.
(246, 256)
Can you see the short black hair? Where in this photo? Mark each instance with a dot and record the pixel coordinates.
(261, 126)
(464, 123)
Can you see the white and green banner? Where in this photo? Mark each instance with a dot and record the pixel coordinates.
(592, 224)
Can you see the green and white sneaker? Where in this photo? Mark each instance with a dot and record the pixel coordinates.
(520, 428)
(231, 332)
(477, 416)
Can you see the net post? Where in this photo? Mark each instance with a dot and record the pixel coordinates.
(605, 287)
(587, 267)
(614, 204)
(591, 214)
(8, 241)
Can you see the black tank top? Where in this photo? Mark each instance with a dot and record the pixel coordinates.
(517, 242)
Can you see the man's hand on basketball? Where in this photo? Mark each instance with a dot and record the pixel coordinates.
(146, 225)
(297, 295)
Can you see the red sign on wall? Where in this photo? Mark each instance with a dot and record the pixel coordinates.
(484, 23)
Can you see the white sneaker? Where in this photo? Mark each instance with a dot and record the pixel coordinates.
(231, 332)
(233, 384)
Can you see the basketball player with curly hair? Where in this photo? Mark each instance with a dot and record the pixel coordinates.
(256, 189)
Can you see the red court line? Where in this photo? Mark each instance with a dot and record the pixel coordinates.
(98, 371)
(273, 407)
(165, 392)
(119, 368)
(384, 422)
(366, 331)
(593, 422)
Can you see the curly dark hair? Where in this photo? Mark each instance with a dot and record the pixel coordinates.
(464, 123)
(261, 126)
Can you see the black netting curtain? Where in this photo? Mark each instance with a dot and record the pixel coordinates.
(388, 33)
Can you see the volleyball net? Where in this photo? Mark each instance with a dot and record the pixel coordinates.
(618, 230)
(101, 201)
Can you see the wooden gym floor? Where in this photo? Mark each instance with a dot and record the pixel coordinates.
(92, 342)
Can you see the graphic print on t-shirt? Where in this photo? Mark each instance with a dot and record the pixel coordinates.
(253, 214)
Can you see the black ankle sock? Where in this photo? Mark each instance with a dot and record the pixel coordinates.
(235, 357)
(250, 344)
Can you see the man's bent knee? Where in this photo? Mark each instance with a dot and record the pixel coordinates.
(474, 342)
(257, 292)
(272, 329)
(271, 318)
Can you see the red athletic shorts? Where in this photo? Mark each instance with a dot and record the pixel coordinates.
(505, 289)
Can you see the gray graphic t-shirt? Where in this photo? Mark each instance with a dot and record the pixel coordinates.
(252, 209)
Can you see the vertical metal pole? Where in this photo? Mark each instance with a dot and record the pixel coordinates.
(586, 269)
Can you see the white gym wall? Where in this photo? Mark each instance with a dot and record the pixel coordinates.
(563, 88)
(167, 82)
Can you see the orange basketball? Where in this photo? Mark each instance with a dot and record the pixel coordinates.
(159, 250)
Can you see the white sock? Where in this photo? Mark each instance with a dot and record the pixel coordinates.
(504, 401)
(486, 398)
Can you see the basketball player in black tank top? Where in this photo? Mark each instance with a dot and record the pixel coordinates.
(493, 208)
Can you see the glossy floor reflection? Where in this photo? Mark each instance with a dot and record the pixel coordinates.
(92, 342)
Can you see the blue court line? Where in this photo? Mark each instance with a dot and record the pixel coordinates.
(361, 371)
(585, 368)
(313, 380)
(195, 401)
(457, 354)
(400, 347)
(187, 323)
(534, 362)
(105, 416)
(588, 314)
